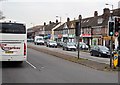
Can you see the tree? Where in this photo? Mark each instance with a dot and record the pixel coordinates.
(1, 15)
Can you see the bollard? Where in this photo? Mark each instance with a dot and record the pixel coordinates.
(115, 60)
(119, 58)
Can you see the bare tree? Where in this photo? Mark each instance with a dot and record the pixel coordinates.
(1, 15)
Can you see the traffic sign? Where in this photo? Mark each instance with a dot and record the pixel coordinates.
(116, 34)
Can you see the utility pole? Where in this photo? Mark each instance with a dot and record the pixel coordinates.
(111, 41)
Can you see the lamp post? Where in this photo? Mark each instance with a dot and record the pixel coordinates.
(111, 41)
(33, 34)
(80, 18)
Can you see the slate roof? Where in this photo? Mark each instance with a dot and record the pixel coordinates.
(49, 27)
(60, 27)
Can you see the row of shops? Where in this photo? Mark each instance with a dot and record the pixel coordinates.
(88, 39)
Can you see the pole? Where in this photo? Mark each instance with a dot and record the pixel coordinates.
(78, 48)
(111, 47)
(111, 42)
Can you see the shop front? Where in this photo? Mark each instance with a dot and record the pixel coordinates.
(59, 37)
(97, 40)
(86, 38)
(71, 37)
(65, 38)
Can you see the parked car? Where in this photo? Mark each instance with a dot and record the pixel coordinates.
(82, 46)
(60, 43)
(101, 51)
(51, 43)
(30, 40)
(69, 46)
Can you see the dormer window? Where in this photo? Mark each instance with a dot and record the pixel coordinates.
(100, 20)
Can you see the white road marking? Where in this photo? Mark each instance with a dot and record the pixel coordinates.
(31, 65)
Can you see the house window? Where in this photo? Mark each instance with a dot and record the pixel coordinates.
(100, 20)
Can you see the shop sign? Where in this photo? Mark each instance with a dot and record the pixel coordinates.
(86, 35)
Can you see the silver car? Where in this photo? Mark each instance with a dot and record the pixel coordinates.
(69, 46)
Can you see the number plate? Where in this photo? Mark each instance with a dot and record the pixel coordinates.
(8, 52)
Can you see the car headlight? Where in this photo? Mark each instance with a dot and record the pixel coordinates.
(104, 52)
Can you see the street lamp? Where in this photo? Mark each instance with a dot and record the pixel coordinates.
(110, 5)
(111, 41)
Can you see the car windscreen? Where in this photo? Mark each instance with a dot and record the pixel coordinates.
(52, 41)
(103, 48)
(39, 39)
(70, 44)
(14, 28)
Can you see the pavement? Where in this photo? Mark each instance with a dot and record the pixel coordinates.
(72, 58)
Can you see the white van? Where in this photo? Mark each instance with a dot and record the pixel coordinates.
(39, 40)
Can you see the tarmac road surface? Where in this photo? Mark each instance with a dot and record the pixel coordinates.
(44, 68)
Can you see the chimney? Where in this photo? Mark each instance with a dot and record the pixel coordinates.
(56, 20)
(50, 22)
(95, 14)
(106, 11)
(68, 19)
(44, 23)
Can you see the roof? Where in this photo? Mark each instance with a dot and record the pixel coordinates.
(60, 27)
(49, 27)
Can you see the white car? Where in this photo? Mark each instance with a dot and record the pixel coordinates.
(51, 43)
(83, 46)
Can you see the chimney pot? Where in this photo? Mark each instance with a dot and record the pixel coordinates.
(95, 13)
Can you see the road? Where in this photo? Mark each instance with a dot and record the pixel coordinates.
(44, 68)
(84, 55)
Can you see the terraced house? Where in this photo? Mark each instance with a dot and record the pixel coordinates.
(94, 29)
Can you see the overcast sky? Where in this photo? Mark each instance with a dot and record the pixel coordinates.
(34, 12)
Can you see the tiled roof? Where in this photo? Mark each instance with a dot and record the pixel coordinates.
(49, 27)
(92, 21)
(60, 27)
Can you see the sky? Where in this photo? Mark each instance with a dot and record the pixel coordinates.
(36, 12)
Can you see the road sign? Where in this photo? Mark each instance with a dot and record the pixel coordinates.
(115, 60)
(116, 34)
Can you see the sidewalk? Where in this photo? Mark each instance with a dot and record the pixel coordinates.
(85, 62)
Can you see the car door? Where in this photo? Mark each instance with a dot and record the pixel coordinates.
(97, 51)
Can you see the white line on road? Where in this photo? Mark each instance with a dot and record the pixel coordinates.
(31, 65)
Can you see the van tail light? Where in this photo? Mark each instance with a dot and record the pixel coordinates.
(24, 49)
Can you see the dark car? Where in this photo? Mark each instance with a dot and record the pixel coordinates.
(101, 51)
(69, 46)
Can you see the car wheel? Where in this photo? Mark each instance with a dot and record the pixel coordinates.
(66, 49)
(99, 55)
(63, 48)
(91, 53)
